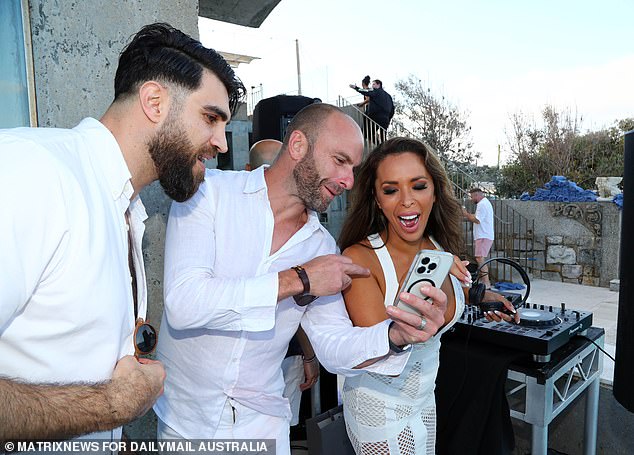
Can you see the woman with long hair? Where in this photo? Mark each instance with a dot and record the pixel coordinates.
(402, 202)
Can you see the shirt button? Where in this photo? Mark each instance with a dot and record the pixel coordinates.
(234, 360)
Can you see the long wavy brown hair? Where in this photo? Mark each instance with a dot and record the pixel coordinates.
(365, 217)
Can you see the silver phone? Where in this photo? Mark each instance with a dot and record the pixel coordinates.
(428, 266)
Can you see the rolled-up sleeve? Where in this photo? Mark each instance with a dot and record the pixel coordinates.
(340, 346)
(197, 295)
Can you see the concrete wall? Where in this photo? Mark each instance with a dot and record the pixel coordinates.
(574, 243)
(76, 48)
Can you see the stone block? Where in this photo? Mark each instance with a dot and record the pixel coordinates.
(590, 281)
(615, 285)
(571, 280)
(586, 242)
(538, 262)
(587, 256)
(553, 268)
(571, 271)
(551, 276)
(554, 239)
(589, 270)
(560, 254)
(539, 244)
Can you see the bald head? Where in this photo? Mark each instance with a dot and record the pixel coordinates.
(263, 152)
(313, 119)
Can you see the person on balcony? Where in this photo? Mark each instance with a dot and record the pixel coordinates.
(365, 85)
(381, 106)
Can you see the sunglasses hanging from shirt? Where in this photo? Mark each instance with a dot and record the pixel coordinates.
(145, 338)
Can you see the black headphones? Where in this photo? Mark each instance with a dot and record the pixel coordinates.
(476, 292)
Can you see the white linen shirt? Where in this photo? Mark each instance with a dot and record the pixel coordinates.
(66, 307)
(484, 214)
(224, 334)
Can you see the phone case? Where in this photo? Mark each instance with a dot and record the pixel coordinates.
(429, 266)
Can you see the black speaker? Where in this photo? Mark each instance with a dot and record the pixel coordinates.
(624, 366)
(272, 115)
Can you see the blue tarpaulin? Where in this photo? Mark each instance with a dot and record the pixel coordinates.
(560, 189)
(618, 200)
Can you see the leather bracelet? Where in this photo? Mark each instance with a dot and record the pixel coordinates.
(309, 360)
(304, 277)
(394, 347)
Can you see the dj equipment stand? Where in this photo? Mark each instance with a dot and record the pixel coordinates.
(551, 387)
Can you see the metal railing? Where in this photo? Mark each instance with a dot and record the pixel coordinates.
(514, 232)
(514, 237)
(373, 133)
(253, 97)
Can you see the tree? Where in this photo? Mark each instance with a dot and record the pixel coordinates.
(433, 119)
(559, 148)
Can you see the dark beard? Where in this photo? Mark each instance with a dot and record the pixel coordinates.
(174, 157)
(308, 184)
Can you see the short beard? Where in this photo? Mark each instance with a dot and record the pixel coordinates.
(174, 158)
(308, 184)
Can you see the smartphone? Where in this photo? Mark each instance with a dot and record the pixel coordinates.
(429, 266)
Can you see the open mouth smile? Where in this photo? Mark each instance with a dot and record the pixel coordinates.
(409, 221)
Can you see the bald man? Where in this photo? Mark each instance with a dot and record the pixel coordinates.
(300, 367)
(245, 260)
(263, 152)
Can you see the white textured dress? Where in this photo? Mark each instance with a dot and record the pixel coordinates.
(397, 414)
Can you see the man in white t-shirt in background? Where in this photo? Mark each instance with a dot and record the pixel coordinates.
(483, 230)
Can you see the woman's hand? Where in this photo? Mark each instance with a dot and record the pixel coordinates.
(460, 271)
(411, 328)
(498, 316)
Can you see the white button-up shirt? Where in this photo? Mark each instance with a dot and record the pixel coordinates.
(224, 334)
(66, 307)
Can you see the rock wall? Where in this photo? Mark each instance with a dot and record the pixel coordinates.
(574, 242)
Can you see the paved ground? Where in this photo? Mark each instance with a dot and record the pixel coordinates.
(602, 302)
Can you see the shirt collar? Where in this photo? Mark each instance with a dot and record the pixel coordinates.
(108, 157)
(256, 182)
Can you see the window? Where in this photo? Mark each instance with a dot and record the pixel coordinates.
(17, 94)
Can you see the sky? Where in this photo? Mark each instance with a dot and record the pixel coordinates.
(491, 58)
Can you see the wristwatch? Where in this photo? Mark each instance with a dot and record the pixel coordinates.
(303, 298)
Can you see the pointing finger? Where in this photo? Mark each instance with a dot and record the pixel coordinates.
(356, 270)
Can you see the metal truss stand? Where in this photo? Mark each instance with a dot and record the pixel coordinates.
(539, 392)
